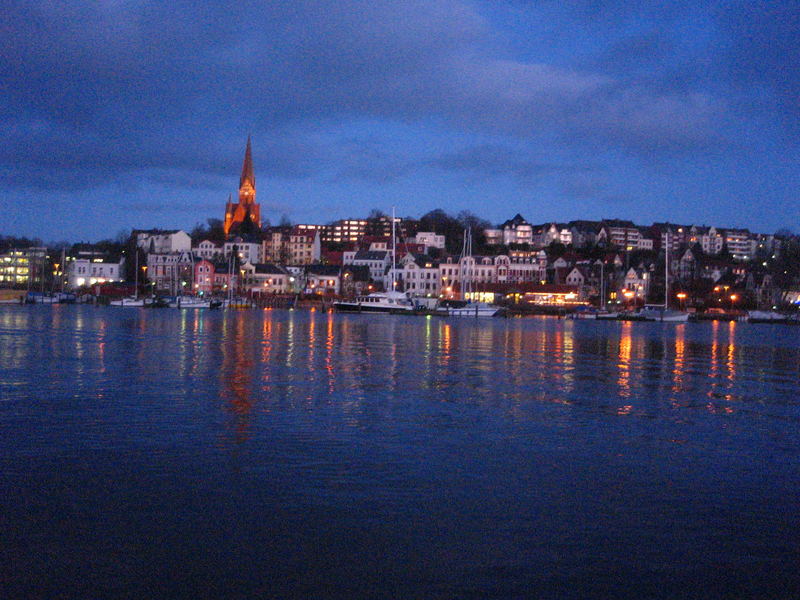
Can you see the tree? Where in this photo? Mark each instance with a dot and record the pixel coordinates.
(213, 230)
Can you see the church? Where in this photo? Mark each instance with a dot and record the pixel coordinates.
(244, 216)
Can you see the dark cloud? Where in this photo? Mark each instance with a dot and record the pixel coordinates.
(97, 94)
(762, 59)
(494, 160)
(129, 86)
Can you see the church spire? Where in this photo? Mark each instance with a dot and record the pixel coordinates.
(247, 168)
(246, 208)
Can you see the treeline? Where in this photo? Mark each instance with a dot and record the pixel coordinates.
(10, 241)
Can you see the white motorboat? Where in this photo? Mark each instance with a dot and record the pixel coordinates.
(189, 302)
(132, 302)
(378, 302)
(465, 308)
(769, 316)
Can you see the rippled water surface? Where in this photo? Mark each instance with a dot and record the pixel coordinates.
(311, 455)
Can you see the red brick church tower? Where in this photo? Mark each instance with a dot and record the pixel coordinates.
(246, 208)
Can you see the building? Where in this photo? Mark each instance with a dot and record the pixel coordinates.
(160, 241)
(619, 233)
(381, 226)
(246, 249)
(265, 278)
(345, 230)
(517, 231)
(377, 261)
(428, 239)
(636, 284)
(88, 269)
(418, 275)
(246, 210)
(740, 244)
(584, 233)
(323, 279)
(292, 245)
(208, 249)
(172, 271)
(355, 281)
(203, 276)
(23, 266)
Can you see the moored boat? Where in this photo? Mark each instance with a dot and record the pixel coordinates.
(130, 302)
(659, 313)
(377, 302)
(189, 302)
(770, 316)
(466, 308)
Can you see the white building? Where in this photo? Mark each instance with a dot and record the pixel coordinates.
(261, 279)
(418, 275)
(636, 284)
(163, 241)
(208, 250)
(429, 239)
(376, 261)
(251, 252)
(89, 271)
(323, 279)
(517, 231)
(740, 244)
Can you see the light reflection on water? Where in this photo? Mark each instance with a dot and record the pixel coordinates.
(499, 436)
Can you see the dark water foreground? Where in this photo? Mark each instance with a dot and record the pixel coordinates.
(308, 455)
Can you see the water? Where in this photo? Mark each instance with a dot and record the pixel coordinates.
(309, 455)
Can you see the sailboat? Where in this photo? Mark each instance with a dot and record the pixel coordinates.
(656, 312)
(389, 302)
(134, 301)
(182, 301)
(466, 307)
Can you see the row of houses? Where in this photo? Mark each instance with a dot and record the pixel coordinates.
(741, 243)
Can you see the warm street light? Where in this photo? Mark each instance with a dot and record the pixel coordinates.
(681, 296)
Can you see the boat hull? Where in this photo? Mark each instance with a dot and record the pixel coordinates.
(476, 311)
(665, 316)
(355, 307)
(129, 302)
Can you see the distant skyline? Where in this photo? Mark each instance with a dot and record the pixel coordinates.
(135, 115)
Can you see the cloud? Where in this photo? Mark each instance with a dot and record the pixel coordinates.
(762, 57)
(95, 92)
(490, 159)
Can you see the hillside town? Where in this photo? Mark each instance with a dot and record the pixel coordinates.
(521, 262)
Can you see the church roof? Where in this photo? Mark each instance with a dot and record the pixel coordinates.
(247, 167)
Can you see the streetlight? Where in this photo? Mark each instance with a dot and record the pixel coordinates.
(734, 298)
(681, 297)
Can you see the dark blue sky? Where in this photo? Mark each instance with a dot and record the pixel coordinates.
(123, 114)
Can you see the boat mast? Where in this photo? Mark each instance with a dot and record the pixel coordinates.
(136, 274)
(666, 274)
(63, 268)
(602, 285)
(394, 251)
(464, 266)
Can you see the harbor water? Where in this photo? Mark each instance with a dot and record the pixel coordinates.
(301, 454)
